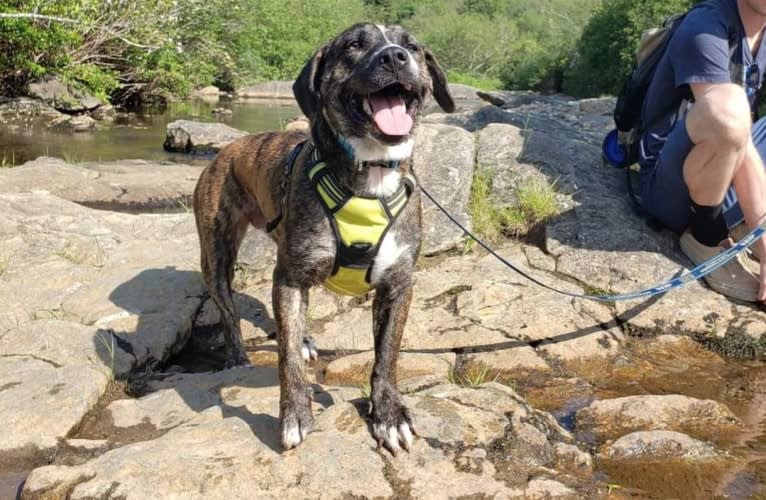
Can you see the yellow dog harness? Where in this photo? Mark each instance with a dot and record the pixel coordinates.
(359, 224)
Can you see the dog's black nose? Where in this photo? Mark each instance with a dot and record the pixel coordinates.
(393, 58)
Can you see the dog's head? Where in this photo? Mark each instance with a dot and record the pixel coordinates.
(369, 85)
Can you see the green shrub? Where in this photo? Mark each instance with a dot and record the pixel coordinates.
(470, 44)
(536, 202)
(272, 45)
(479, 82)
(548, 28)
(30, 48)
(606, 51)
(96, 80)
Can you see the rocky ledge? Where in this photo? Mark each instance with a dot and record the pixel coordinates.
(53, 104)
(110, 350)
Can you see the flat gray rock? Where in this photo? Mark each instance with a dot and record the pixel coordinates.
(476, 306)
(355, 370)
(61, 96)
(660, 445)
(228, 450)
(268, 90)
(50, 377)
(612, 418)
(132, 279)
(501, 148)
(187, 136)
(128, 185)
(597, 240)
(443, 161)
(78, 123)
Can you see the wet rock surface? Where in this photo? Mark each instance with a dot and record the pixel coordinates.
(517, 392)
(615, 417)
(660, 444)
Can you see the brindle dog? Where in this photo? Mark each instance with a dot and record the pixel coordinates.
(362, 92)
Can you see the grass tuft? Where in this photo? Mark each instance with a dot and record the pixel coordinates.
(186, 204)
(6, 161)
(72, 158)
(57, 313)
(536, 202)
(106, 339)
(365, 390)
(75, 254)
(473, 376)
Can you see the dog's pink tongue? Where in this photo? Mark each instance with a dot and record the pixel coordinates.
(390, 114)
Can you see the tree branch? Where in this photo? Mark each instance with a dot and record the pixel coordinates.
(66, 20)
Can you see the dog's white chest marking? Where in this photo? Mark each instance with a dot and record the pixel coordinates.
(368, 149)
(389, 252)
(383, 182)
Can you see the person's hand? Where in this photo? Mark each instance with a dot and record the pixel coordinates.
(762, 279)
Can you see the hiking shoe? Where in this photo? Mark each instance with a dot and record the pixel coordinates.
(733, 279)
(737, 233)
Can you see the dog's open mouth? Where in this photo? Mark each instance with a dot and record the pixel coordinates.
(391, 109)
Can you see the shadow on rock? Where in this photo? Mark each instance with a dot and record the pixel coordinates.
(153, 328)
(152, 318)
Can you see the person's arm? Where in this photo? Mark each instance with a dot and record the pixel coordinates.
(750, 184)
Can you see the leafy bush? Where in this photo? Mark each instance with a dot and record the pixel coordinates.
(540, 55)
(173, 46)
(29, 48)
(471, 44)
(273, 45)
(514, 42)
(606, 51)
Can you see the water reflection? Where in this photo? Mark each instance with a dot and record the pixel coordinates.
(138, 136)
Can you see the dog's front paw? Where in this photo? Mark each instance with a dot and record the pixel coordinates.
(392, 423)
(309, 351)
(296, 420)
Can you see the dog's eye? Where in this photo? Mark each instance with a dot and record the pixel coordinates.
(353, 45)
(412, 47)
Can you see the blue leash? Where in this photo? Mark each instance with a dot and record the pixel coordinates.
(698, 272)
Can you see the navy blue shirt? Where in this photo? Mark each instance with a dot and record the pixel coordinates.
(710, 46)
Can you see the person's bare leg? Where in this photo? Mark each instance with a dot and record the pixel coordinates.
(719, 125)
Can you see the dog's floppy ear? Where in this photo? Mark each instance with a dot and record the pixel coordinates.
(439, 79)
(306, 87)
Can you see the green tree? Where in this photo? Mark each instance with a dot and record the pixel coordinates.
(539, 56)
(270, 44)
(606, 51)
(29, 47)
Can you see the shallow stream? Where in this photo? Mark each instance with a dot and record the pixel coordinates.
(138, 136)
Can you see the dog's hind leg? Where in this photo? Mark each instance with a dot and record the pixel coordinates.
(221, 225)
